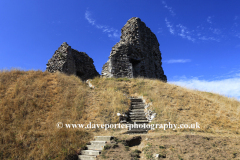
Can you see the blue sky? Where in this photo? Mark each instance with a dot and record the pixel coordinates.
(199, 40)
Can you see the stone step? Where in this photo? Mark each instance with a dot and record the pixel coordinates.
(134, 112)
(90, 152)
(137, 103)
(87, 157)
(136, 100)
(140, 121)
(95, 147)
(136, 132)
(137, 110)
(137, 106)
(138, 118)
(137, 115)
(98, 143)
(131, 118)
(103, 138)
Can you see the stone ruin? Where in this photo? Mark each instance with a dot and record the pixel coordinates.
(71, 61)
(137, 53)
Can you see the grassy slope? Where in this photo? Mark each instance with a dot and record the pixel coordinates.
(33, 102)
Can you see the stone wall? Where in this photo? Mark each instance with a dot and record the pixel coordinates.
(71, 61)
(137, 53)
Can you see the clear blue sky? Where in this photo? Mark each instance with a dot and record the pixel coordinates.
(199, 40)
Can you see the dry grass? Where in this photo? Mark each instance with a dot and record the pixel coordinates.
(178, 105)
(33, 102)
(186, 146)
(173, 147)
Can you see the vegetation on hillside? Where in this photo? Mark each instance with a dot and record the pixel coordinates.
(33, 102)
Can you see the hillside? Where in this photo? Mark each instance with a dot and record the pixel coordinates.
(33, 102)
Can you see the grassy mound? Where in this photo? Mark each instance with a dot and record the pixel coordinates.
(33, 102)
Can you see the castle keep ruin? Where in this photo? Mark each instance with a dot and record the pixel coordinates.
(71, 61)
(137, 53)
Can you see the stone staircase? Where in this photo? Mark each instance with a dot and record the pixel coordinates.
(95, 148)
(137, 115)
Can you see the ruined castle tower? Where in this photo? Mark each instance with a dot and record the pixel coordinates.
(137, 53)
(71, 61)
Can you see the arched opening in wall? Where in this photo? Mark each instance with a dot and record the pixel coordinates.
(135, 66)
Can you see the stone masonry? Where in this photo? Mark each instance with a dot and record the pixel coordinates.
(71, 61)
(137, 53)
